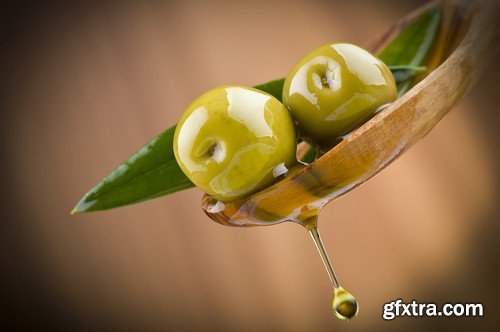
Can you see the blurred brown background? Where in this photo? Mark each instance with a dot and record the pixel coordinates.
(84, 86)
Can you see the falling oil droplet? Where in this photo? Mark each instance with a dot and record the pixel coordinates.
(344, 305)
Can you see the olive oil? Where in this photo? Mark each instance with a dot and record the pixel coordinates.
(344, 304)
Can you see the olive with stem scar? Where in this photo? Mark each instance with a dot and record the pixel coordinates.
(335, 89)
(233, 141)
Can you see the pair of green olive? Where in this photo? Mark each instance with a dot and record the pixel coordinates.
(234, 141)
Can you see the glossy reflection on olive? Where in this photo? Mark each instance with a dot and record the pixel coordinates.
(233, 141)
(334, 89)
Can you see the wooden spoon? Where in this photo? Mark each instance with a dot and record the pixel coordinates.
(465, 45)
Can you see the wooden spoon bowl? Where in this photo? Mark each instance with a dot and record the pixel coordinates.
(465, 44)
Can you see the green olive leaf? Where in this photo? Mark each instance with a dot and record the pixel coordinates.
(404, 73)
(274, 88)
(412, 46)
(149, 173)
(153, 171)
(309, 156)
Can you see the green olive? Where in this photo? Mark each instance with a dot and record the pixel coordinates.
(233, 141)
(334, 89)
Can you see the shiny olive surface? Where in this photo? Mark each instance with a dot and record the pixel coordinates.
(233, 141)
(334, 89)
